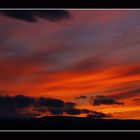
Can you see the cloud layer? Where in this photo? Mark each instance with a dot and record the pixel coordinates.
(21, 106)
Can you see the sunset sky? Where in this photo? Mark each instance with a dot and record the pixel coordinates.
(70, 62)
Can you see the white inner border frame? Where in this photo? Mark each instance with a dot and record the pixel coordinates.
(78, 9)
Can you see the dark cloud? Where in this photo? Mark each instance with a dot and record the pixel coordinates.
(50, 102)
(21, 106)
(15, 106)
(70, 109)
(56, 111)
(81, 97)
(104, 100)
(70, 105)
(86, 111)
(98, 115)
(16, 102)
(127, 94)
(73, 111)
(32, 16)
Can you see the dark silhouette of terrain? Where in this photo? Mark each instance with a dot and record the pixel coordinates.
(68, 123)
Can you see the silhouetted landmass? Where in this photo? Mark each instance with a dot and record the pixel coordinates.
(68, 123)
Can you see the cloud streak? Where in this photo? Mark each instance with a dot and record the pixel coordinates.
(104, 100)
(32, 16)
(98, 115)
(131, 93)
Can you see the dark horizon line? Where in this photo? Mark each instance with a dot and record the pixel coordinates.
(70, 117)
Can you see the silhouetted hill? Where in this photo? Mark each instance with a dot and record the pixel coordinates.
(68, 123)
